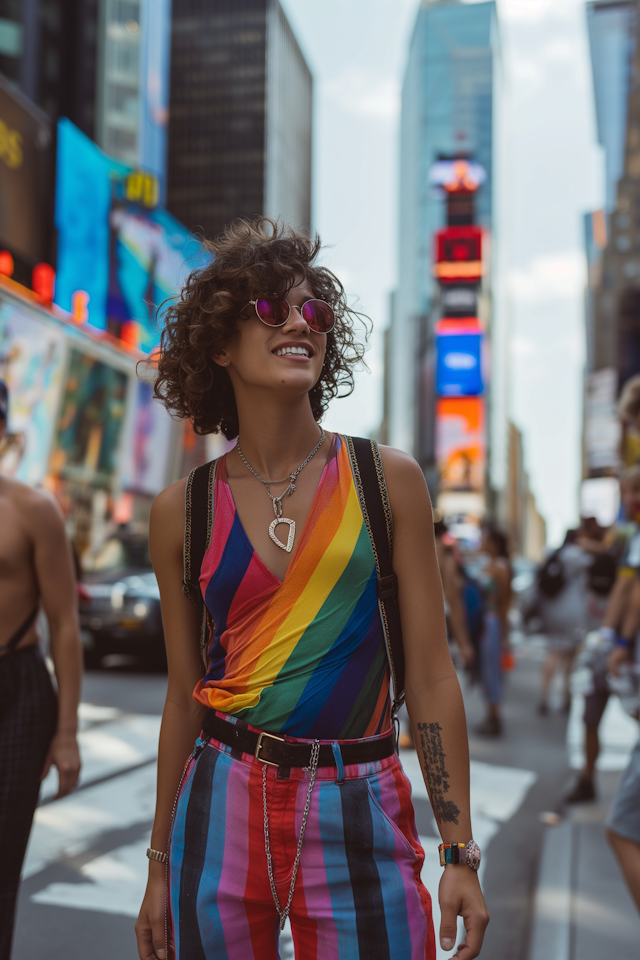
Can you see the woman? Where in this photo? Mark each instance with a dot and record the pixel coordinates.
(496, 585)
(259, 342)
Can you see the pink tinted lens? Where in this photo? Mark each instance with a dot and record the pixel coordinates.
(318, 315)
(273, 312)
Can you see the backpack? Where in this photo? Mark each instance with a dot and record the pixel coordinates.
(368, 474)
(551, 578)
(602, 574)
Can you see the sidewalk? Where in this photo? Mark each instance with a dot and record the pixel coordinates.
(582, 908)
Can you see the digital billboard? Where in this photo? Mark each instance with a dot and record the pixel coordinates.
(90, 423)
(460, 443)
(458, 254)
(459, 300)
(26, 178)
(32, 356)
(147, 444)
(116, 247)
(457, 175)
(459, 365)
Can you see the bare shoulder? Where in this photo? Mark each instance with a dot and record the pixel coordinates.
(35, 507)
(403, 474)
(166, 527)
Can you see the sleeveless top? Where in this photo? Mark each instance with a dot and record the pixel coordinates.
(303, 656)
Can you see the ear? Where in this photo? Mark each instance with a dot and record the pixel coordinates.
(222, 360)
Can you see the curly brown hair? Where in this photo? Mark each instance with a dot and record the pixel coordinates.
(249, 259)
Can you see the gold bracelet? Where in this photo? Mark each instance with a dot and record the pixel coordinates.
(157, 855)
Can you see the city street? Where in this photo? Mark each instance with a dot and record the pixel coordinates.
(87, 851)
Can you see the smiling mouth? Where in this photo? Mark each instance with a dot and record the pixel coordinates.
(292, 352)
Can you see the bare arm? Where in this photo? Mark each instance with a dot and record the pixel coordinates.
(182, 716)
(618, 597)
(57, 584)
(434, 700)
(452, 584)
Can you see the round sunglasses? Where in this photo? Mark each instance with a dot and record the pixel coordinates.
(275, 312)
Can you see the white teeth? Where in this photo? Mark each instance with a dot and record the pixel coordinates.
(284, 351)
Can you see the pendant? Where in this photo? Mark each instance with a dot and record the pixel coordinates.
(292, 533)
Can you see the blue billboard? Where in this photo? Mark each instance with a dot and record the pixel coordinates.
(459, 365)
(117, 250)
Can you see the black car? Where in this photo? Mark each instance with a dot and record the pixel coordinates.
(120, 607)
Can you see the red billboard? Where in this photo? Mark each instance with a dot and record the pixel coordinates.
(458, 254)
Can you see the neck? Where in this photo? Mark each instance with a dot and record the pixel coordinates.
(277, 434)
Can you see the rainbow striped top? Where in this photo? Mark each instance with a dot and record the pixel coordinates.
(304, 656)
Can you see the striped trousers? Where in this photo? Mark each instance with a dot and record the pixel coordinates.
(358, 894)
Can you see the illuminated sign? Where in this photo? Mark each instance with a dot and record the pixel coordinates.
(457, 175)
(459, 365)
(460, 300)
(458, 325)
(460, 443)
(120, 255)
(458, 254)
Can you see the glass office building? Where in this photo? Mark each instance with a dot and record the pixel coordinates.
(240, 115)
(448, 110)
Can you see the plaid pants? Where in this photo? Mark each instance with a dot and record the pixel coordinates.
(27, 724)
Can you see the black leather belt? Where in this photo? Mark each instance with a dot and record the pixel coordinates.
(278, 752)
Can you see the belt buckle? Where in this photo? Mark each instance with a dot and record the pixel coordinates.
(259, 746)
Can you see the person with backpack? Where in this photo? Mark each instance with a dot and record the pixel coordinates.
(317, 605)
(563, 607)
(624, 543)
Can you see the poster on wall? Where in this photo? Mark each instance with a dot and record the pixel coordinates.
(89, 427)
(147, 445)
(32, 355)
(460, 443)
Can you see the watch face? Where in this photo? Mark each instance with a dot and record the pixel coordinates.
(473, 855)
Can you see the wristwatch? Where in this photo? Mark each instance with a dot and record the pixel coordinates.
(468, 853)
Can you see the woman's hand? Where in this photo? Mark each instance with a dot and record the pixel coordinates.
(150, 925)
(460, 895)
(64, 754)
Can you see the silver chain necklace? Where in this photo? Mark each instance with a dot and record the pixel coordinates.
(277, 501)
(313, 769)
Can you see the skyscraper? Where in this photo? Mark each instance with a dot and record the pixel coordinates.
(448, 112)
(612, 235)
(104, 64)
(240, 115)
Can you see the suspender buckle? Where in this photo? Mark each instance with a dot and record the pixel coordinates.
(387, 587)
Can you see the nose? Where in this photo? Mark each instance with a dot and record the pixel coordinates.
(296, 321)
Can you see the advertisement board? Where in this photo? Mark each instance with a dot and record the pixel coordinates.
(459, 365)
(89, 426)
(459, 300)
(147, 444)
(458, 254)
(26, 177)
(124, 253)
(32, 357)
(460, 443)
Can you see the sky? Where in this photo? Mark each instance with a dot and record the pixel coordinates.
(553, 173)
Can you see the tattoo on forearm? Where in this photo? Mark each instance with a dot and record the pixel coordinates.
(445, 811)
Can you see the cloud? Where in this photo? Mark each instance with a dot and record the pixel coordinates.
(365, 94)
(527, 10)
(549, 277)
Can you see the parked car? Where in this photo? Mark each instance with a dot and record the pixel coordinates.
(120, 609)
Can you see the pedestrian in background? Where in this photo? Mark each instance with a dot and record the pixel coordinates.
(495, 579)
(563, 607)
(625, 540)
(295, 761)
(37, 729)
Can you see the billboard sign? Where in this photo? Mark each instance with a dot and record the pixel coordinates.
(147, 443)
(459, 365)
(460, 443)
(458, 254)
(32, 355)
(26, 176)
(459, 300)
(124, 254)
(457, 175)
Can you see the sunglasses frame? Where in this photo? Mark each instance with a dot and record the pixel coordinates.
(310, 300)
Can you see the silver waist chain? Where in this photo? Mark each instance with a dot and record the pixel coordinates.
(313, 769)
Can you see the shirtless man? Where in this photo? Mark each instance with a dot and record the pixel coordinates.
(37, 727)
